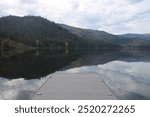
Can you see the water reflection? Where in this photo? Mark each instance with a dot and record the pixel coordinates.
(34, 64)
(23, 72)
(127, 80)
(19, 88)
(38, 63)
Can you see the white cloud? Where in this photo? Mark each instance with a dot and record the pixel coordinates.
(111, 15)
(19, 88)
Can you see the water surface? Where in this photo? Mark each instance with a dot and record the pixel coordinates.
(126, 72)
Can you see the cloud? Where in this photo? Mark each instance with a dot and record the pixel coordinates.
(14, 7)
(135, 1)
(100, 14)
(28, 1)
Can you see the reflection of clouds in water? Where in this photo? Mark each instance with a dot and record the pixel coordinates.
(19, 88)
(87, 69)
(128, 80)
(137, 69)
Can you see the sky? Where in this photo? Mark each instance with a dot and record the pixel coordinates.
(113, 16)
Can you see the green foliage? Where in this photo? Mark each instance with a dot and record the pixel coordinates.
(37, 32)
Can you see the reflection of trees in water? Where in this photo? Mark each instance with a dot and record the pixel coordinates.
(6, 53)
(96, 57)
(137, 53)
(39, 63)
(34, 64)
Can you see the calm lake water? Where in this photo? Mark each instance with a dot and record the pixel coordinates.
(126, 73)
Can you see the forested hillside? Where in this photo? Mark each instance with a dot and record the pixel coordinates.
(128, 41)
(36, 32)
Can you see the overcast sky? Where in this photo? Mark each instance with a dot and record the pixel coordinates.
(113, 16)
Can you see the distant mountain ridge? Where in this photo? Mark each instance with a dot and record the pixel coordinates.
(93, 34)
(133, 36)
(123, 40)
(36, 31)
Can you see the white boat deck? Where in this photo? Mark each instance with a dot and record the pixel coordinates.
(68, 86)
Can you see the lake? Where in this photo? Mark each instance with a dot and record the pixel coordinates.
(126, 72)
